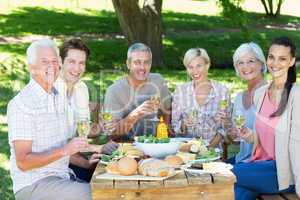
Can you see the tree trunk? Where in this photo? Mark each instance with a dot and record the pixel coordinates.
(142, 24)
(269, 7)
(278, 8)
(265, 6)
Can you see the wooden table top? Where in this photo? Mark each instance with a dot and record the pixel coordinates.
(181, 186)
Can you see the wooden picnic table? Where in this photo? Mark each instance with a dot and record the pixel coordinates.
(181, 186)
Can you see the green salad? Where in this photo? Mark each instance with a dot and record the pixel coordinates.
(152, 139)
(115, 154)
(211, 153)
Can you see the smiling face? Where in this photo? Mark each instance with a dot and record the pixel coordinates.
(249, 67)
(139, 65)
(74, 65)
(197, 69)
(279, 61)
(45, 69)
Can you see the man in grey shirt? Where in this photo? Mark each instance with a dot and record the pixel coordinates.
(130, 99)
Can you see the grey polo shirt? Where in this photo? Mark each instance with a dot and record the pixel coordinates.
(121, 99)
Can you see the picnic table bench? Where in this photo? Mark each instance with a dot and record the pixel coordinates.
(181, 186)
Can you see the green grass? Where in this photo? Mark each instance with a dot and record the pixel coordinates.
(100, 29)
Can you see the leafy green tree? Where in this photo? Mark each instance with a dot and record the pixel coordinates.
(232, 10)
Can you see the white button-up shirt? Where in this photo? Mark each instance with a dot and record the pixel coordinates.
(78, 103)
(40, 117)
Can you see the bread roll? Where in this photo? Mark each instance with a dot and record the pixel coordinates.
(127, 166)
(112, 168)
(186, 157)
(174, 161)
(185, 147)
(155, 167)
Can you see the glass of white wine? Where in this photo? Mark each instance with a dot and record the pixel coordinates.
(106, 117)
(83, 129)
(239, 122)
(156, 99)
(192, 118)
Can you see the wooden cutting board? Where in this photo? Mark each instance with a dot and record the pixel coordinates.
(108, 176)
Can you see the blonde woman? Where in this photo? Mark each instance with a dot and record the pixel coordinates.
(196, 104)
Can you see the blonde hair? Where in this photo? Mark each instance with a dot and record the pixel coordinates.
(193, 53)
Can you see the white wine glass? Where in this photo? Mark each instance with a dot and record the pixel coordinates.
(156, 100)
(239, 122)
(192, 118)
(107, 118)
(83, 129)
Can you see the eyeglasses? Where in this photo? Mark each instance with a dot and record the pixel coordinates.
(246, 63)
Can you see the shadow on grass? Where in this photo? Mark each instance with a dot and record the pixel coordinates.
(36, 20)
(5, 180)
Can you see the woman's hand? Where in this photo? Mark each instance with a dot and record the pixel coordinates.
(223, 117)
(233, 133)
(245, 133)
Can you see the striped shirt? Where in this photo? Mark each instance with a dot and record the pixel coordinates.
(40, 117)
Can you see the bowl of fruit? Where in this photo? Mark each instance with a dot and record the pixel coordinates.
(157, 147)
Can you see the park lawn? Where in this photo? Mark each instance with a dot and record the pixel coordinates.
(101, 30)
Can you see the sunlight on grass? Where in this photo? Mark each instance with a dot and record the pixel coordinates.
(4, 161)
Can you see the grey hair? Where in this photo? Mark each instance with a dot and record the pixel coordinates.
(193, 53)
(138, 47)
(249, 48)
(34, 46)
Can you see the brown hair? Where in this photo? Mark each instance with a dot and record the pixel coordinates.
(74, 43)
(292, 75)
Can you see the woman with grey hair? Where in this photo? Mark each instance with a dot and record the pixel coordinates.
(196, 104)
(250, 64)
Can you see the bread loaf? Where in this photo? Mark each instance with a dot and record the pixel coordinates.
(155, 167)
(174, 161)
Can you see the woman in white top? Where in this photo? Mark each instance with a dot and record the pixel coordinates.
(196, 105)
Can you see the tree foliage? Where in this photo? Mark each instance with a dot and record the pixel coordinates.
(232, 10)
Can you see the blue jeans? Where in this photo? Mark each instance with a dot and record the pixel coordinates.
(82, 173)
(230, 160)
(256, 178)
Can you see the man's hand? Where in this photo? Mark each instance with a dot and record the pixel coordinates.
(109, 147)
(110, 127)
(76, 145)
(147, 108)
(94, 158)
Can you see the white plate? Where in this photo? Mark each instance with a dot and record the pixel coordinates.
(204, 160)
(181, 139)
(220, 167)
